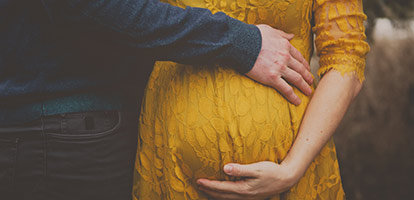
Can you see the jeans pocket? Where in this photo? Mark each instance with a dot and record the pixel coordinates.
(94, 163)
(87, 125)
(7, 164)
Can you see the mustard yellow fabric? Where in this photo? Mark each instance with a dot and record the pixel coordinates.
(196, 119)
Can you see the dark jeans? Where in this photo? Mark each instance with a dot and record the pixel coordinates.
(75, 156)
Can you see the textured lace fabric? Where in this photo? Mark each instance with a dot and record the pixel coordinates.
(195, 119)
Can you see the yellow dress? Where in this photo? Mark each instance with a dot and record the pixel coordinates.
(196, 119)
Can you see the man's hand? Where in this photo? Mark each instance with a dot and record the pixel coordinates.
(278, 62)
(258, 181)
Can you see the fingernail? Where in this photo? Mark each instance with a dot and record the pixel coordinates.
(228, 168)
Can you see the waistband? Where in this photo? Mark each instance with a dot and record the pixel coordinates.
(79, 123)
(18, 114)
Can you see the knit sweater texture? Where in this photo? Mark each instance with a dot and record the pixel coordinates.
(60, 56)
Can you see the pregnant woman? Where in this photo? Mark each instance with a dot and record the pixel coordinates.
(195, 120)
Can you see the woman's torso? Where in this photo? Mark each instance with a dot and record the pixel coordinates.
(210, 113)
(196, 119)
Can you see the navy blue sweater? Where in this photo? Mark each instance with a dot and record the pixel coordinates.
(60, 56)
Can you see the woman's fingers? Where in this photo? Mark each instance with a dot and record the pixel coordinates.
(228, 189)
(222, 186)
(259, 180)
(246, 170)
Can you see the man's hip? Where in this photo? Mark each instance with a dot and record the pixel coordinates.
(88, 155)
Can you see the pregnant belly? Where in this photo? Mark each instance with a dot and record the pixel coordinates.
(205, 118)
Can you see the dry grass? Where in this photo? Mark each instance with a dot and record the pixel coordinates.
(375, 140)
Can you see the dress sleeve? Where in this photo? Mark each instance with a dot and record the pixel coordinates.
(340, 38)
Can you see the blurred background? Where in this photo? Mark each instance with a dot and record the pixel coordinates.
(375, 141)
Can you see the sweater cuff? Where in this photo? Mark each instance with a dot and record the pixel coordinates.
(245, 48)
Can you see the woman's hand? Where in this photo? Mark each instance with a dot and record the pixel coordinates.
(259, 180)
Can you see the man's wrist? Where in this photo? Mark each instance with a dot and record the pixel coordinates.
(245, 48)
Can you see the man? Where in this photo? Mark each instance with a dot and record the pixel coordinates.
(71, 76)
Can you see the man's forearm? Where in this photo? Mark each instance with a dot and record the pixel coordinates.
(191, 35)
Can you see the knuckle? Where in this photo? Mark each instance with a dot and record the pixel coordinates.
(246, 190)
(284, 90)
(273, 76)
(302, 59)
(309, 76)
(302, 70)
(289, 92)
(251, 192)
(283, 67)
(259, 172)
(282, 57)
(296, 52)
(238, 171)
(286, 57)
(297, 78)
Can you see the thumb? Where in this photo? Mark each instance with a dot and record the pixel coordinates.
(249, 170)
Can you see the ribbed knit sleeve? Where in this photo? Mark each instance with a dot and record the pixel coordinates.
(340, 37)
(186, 35)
